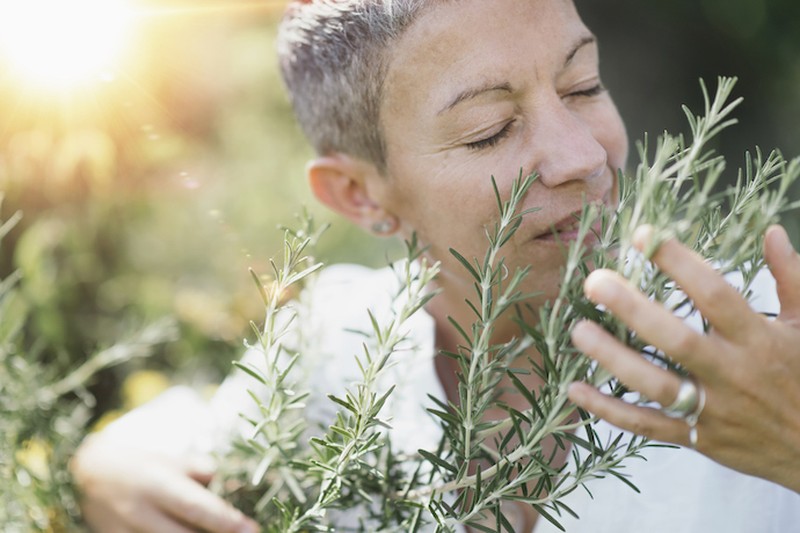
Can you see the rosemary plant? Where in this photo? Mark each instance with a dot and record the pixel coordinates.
(263, 459)
(347, 459)
(44, 412)
(293, 488)
(481, 463)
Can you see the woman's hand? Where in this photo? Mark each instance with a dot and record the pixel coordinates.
(748, 364)
(126, 491)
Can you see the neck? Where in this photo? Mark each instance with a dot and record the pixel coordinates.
(450, 304)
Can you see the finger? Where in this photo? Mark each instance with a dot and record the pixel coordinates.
(194, 505)
(784, 263)
(636, 372)
(201, 468)
(719, 302)
(100, 519)
(150, 520)
(644, 421)
(651, 321)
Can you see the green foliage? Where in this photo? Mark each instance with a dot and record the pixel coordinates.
(288, 486)
(482, 463)
(155, 197)
(45, 408)
(675, 193)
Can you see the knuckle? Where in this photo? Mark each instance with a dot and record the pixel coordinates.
(188, 510)
(713, 291)
(640, 425)
(665, 393)
(684, 341)
(129, 512)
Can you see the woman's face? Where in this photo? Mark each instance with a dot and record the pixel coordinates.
(476, 89)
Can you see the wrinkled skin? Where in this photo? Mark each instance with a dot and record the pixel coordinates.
(476, 89)
(749, 365)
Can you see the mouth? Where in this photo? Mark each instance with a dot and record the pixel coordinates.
(567, 230)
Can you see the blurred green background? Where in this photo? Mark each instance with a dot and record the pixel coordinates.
(150, 192)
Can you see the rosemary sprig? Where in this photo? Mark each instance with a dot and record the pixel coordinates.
(517, 467)
(348, 449)
(257, 472)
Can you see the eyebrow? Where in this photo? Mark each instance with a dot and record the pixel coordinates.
(588, 39)
(473, 92)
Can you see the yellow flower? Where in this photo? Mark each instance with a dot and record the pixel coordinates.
(142, 386)
(34, 456)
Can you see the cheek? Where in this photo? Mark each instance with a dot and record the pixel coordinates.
(446, 218)
(613, 137)
(447, 198)
(611, 134)
(440, 191)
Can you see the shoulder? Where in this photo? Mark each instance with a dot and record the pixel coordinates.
(337, 310)
(343, 295)
(349, 279)
(336, 317)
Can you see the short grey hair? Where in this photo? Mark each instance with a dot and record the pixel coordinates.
(334, 56)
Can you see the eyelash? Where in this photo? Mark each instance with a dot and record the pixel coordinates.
(503, 133)
(491, 141)
(591, 91)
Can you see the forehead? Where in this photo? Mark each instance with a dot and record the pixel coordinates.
(469, 42)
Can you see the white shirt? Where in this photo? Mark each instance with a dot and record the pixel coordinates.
(680, 490)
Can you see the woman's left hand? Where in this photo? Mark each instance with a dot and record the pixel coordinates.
(748, 364)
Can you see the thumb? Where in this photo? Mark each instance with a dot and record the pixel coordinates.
(784, 263)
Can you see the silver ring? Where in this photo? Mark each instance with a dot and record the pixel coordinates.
(692, 417)
(693, 437)
(689, 403)
(686, 402)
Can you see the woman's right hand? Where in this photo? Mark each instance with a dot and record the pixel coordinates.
(126, 491)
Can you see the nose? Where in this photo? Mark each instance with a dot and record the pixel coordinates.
(565, 147)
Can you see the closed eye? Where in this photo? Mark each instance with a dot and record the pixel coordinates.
(591, 91)
(488, 142)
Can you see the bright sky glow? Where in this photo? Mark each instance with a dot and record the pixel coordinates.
(61, 44)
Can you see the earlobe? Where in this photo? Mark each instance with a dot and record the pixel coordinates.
(340, 182)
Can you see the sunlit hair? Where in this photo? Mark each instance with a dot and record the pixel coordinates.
(334, 57)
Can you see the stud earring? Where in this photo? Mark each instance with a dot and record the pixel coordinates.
(382, 227)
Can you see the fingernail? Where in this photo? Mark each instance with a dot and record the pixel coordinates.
(642, 236)
(599, 285)
(582, 332)
(576, 392)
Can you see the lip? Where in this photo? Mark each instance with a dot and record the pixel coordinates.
(562, 232)
(566, 230)
(566, 238)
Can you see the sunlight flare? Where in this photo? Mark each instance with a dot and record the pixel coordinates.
(57, 45)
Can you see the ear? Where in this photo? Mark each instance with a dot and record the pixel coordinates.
(340, 182)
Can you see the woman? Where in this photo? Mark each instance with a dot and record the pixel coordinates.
(411, 105)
